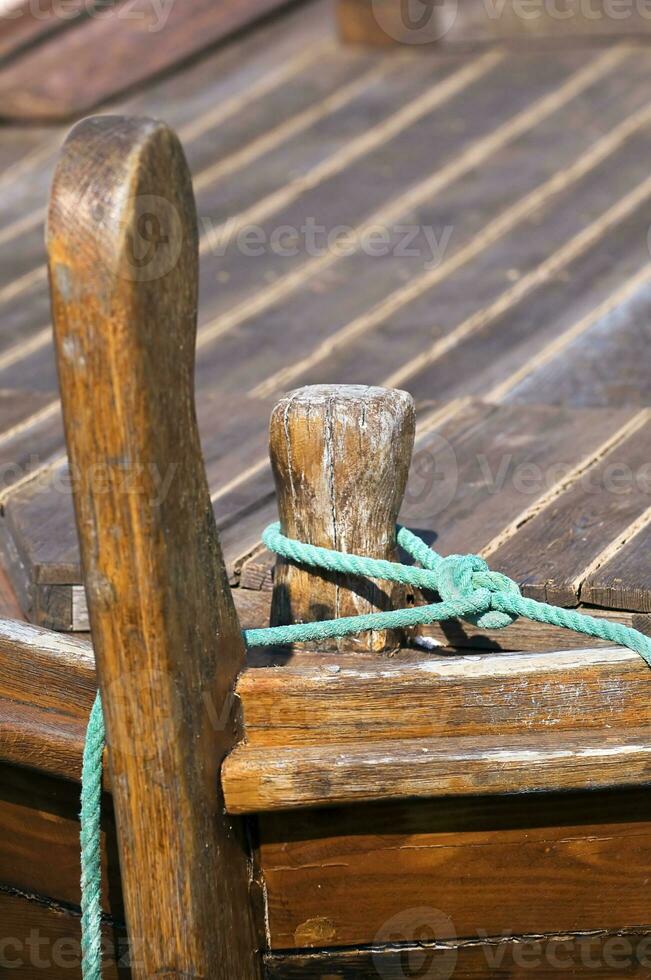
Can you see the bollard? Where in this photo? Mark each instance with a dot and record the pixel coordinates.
(340, 456)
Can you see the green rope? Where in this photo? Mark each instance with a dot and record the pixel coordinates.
(468, 590)
(91, 856)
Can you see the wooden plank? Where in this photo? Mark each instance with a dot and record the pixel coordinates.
(237, 446)
(38, 936)
(157, 589)
(475, 21)
(64, 76)
(554, 551)
(484, 317)
(381, 23)
(598, 366)
(238, 89)
(21, 25)
(277, 264)
(621, 577)
(39, 840)
(350, 198)
(413, 695)
(574, 862)
(512, 957)
(263, 779)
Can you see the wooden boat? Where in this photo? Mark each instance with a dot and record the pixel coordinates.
(452, 802)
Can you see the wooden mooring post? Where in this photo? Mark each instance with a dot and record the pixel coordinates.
(340, 456)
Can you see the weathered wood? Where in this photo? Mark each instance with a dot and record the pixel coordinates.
(382, 23)
(260, 779)
(622, 577)
(65, 75)
(39, 939)
(39, 840)
(569, 172)
(340, 457)
(509, 957)
(554, 551)
(423, 695)
(165, 631)
(568, 863)
(21, 24)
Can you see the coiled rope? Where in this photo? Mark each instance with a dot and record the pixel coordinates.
(468, 590)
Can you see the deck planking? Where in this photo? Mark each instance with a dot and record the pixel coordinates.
(532, 165)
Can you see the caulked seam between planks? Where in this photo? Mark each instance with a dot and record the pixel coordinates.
(570, 251)
(278, 134)
(582, 240)
(204, 122)
(628, 429)
(269, 81)
(23, 284)
(471, 158)
(454, 169)
(628, 534)
(39, 416)
(436, 94)
(505, 222)
(338, 161)
(425, 424)
(39, 471)
(559, 344)
(447, 412)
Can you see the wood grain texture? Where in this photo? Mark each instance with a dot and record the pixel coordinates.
(622, 578)
(40, 939)
(310, 701)
(340, 457)
(65, 75)
(264, 779)
(24, 24)
(555, 550)
(382, 23)
(39, 840)
(47, 688)
(165, 631)
(485, 867)
(599, 954)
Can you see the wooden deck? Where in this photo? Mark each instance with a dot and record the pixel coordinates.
(472, 226)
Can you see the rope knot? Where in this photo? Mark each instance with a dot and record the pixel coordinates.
(462, 576)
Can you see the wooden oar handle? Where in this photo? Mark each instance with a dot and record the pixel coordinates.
(340, 456)
(123, 259)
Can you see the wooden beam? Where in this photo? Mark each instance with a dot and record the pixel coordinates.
(472, 867)
(416, 695)
(265, 779)
(65, 75)
(122, 243)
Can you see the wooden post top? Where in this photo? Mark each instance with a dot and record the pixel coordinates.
(340, 456)
(123, 261)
